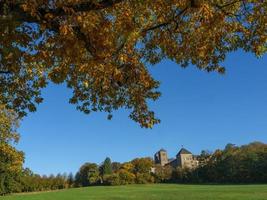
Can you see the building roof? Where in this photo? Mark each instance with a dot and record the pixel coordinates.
(161, 150)
(184, 151)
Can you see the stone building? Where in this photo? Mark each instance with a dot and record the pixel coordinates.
(184, 159)
(161, 157)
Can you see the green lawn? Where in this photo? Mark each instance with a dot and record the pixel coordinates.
(153, 192)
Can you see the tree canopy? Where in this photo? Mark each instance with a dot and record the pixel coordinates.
(102, 49)
(11, 160)
(8, 125)
(106, 167)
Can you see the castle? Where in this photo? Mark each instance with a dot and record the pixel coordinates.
(184, 159)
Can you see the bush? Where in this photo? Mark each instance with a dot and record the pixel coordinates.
(126, 177)
(113, 179)
(144, 178)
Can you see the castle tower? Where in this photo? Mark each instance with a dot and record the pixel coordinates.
(185, 159)
(161, 157)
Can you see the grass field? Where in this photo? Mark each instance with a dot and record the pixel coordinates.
(153, 192)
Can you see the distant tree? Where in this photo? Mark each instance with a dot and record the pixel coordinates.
(142, 170)
(113, 179)
(204, 157)
(126, 177)
(205, 153)
(26, 180)
(106, 167)
(88, 175)
(144, 178)
(60, 181)
(163, 173)
(127, 166)
(142, 165)
(245, 164)
(229, 147)
(70, 180)
(115, 166)
(64, 176)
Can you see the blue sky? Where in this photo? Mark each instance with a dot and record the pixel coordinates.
(198, 110)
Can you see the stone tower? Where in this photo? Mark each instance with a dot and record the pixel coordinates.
(185, 159)
(161, 157)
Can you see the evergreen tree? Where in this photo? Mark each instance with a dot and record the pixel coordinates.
(106, 168)
(70, 180)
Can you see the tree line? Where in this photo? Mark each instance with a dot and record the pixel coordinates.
(233, 164)
(245, 164)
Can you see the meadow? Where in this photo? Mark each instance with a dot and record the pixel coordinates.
(153, 192)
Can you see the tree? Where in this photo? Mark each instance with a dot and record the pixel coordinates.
(87, 175)
(102, 49)
(204, 157)
(235, 164)
(106, 168)
(142, 165)
(163, 173)
(116, 166)
(142, 170)
(126, 177)
(27, 180)
(8, 126)
(11, 160)
(70, 180)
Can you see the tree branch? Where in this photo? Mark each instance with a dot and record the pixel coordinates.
(17, 12)
(229, 4)
(5, 72)
(88, 45)
(166, 23)
(157, 26)
(21, 15)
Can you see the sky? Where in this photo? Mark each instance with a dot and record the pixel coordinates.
(198, 110)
